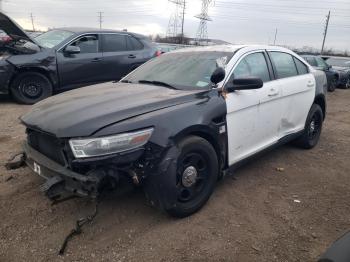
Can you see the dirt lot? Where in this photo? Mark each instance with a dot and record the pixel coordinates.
(250, 218)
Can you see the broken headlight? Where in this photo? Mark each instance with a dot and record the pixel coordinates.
(110, 144)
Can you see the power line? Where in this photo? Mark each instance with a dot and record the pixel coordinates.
(202, 33)
(100, 18)
(325, 30)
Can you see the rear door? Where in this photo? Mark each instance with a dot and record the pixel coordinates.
(83, 68)
(297, 91)
(121, 54)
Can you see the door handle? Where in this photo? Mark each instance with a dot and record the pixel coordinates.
(96, 60)
(310, 84)
(273, 92)
(131, 56)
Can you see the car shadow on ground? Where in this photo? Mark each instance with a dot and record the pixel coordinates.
(6, 99)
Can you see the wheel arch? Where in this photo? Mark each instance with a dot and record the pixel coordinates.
(39, 70)
(209, 135)
(321, 101)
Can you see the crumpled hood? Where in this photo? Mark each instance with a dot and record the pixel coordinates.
(11, 28)
(83, 111)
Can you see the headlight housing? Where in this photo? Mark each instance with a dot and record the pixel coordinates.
(89, 147)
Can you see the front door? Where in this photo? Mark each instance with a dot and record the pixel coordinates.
(253, 116)
(83, 68)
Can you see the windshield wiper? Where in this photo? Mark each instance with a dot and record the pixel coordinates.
(157, 83)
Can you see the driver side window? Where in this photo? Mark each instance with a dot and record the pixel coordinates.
(253, 65)
(87, 44)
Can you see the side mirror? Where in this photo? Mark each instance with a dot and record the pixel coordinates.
(244, 84)
(72, 50)
(218, 75)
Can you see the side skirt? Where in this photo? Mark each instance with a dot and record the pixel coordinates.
(280, 142)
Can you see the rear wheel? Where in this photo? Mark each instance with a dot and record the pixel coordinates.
(333, 84)
(347, 84)
(31, 87)
(197, 173)
(313, 128)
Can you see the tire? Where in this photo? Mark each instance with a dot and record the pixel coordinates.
(313, 128)
(197, 173)
(30, 87)
(347, 84)
(333, 84)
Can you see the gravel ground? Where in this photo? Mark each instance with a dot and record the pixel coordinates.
(253, 217)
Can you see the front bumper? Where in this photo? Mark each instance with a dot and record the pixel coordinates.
(59, 179)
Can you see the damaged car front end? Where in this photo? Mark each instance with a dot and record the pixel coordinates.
(84, 141)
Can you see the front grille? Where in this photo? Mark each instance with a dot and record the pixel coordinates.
(46, 144)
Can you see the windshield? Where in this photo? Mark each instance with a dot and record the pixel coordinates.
(339, 62)
(183, 70)
(53, 38)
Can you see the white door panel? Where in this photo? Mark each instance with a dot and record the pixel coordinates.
(241, 123)
(298, 95)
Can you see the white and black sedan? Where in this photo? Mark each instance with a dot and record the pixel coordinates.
(176, 124)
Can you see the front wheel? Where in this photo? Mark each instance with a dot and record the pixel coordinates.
(313, 128)
(197, 173)
(30, 87)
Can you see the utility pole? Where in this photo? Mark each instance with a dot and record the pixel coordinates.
(32, 19)
(100, 18)
(202, 32)
(183, 22)
(274, 41)
(325, 30)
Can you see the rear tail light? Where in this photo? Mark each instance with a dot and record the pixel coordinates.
(158, 53)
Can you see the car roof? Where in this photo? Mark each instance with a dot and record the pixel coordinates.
(232, 48)
(84, 30)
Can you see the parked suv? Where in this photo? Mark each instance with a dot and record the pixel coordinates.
(176, 124)
(66, 58)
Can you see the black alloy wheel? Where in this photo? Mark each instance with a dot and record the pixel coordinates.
(197, 173)
(333, 84)
(31, 87)
(313, 128)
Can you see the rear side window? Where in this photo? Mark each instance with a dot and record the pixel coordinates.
(311, 61)
(302, 68)
(114, 43)
(253, 65)
(133, 43)
(284, 64)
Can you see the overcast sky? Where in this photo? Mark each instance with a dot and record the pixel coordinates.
(299, 22)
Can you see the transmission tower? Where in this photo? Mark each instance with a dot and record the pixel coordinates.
(202, 32)
(177, 19)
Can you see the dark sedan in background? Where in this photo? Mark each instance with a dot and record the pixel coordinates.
(342, 66)
(319, 63)
(66, 58)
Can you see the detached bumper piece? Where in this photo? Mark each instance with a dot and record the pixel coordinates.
(61, 182)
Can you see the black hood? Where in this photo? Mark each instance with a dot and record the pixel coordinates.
(11, 28)
(83, 111)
